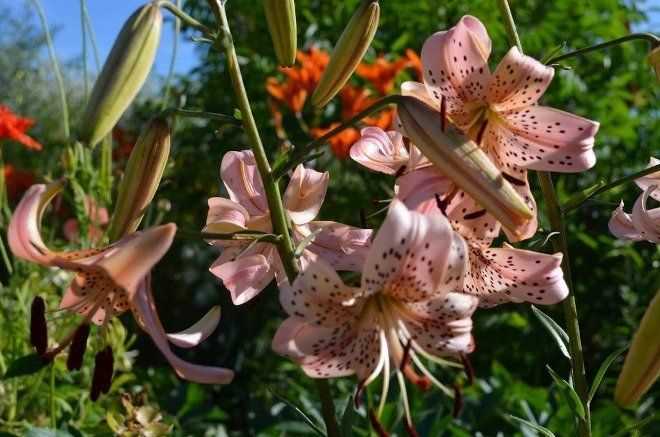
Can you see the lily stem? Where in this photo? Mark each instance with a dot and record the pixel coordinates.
(279, 219)
(570, 206)
(557, 224)
(299, 155)
(651, 38)
(222, 118)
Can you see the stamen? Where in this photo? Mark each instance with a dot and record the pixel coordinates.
(383, 361)
(482, 130)
(386, 375)
(404, 399)
(38, 327)
(513, 180)
(467, 366)
(78, 347)
(102, 378)
(410, 429)
(475, 215)
(422, 382)
(443, 113)
(376, 425)
(458, 401)
(446, 390)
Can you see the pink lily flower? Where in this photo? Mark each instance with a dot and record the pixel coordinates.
(403, 309)
(245, 269)
(499, 110)
(494, 275)
(643, 223)
(110, 280)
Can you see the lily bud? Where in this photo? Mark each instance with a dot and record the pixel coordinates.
(348, 52)
(78, 347)
(38, 327)
(463, 161)
(124, 72)
(281, 17)
(654, 60)
(144, 171)
(642, 365)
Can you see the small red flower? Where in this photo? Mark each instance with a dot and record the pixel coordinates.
(14, 127)
(17, 181)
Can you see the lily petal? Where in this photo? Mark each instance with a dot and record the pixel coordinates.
(621, 225)
(380, 151)
(344, 247)
(243, 182)
(414, 256)
(305, 194)
(225, 216)
(646, 221)
(245, 277)
(198, 332)
(649, 180)
(514, 275)
(146, 315)
(519, 81)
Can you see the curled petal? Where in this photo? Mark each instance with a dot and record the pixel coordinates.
(649, 180)
(420, 92)
(518, 81)
(225, 216)
(646, 221)
(380, 151)
(245, 277)
(198, 332)
(146, 315)
(241, 177)
(621, 225)
(344, 247)
(305, 194)
(546, 139)
(414, 256)
(320, 297)
(418, 189)
(514, 275)
(23, 234)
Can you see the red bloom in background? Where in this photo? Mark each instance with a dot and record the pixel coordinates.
(340, 143)
(17, 181)
(382, 73)
(14, 127)
(125, 143)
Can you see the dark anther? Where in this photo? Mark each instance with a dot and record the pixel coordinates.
(406, 355)
(443, 114)
(357, 399)
(469, 370)
(442, 205)
(376, 425)
(475, 215)
(38, 327)
(102, 378)
(482, 130)
(458, 402)
(400, 171)
(78, 347)
(410, 429)
(514, 181)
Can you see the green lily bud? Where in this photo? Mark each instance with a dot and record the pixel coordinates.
(144, 171)
(463, 161)
(642, 365)
(654, 60)
(348, 52)
(281, 17)
(124, 72)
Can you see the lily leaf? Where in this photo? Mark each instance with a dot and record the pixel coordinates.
(308, 420)
(535, 426)
(560, 336)
(598, 379)
(26, 365)
(569, 392)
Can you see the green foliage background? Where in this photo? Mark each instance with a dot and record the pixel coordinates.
(614, 280)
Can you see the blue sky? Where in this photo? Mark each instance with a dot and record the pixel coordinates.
(107, 17)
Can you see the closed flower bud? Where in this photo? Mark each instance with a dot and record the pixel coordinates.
(144, 171)
(654, 60)
(38, 328)
(348, 52)
(124, 73)
(642, 365)
(281, 17)
(463, 161)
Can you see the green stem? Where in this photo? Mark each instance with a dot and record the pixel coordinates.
(299, 155)
(175, 48)
(560, 244)
(185, 18)
(227, 119)
(570, 206)
(654, 40)
(83, 30)
(56, 68)
(271, 187)
(92, 35)
(53, 411)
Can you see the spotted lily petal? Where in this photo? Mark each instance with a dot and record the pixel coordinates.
(344, 247)
(305, 194)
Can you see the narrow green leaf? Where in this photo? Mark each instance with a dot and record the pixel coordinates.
(27, 365)
(308, 420)
(306, 242)
(536, 427)
(598, 379)
(560, 336)
(348, 418)
(571, 396)
(637, 426)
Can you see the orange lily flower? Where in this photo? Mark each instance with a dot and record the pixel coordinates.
(14, 127)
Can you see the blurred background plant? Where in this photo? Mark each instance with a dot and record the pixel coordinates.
(615, 280)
